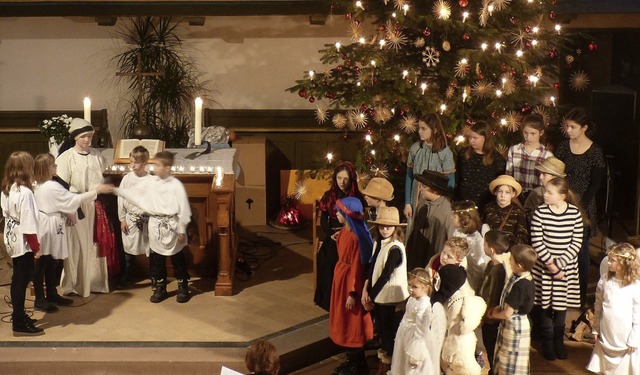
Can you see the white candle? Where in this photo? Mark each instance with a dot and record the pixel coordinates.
(87, 109)
(219, 176)
(198, 122)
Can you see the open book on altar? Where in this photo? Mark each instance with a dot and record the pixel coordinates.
(124, 147)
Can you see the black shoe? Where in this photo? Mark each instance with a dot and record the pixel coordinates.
(374, 343)
(124, 282)
(159, 294)
(183, 291)
(42, 304)
(25, 328)
(59, 300)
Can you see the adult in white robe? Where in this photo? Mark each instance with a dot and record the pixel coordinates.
(81, 168)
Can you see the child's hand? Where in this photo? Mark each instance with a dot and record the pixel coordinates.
(105, 189)
(351, 302)
(334, 236)
(559, 275)
(71, 219)
(408, 211)
(124, 227)
(552, 268)
(181, 237)
(365, 298)
(631, 349)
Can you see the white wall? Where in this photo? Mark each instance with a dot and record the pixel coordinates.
(53, 63)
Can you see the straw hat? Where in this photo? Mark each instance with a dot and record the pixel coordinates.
(388, 216)
(435, 180)
(552, 165)
(505, 179)
(379, 188)
(78, 127)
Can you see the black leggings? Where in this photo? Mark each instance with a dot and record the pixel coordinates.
(22, 272)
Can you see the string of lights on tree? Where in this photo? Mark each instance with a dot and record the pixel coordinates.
(491, 60)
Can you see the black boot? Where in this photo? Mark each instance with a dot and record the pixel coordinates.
(558, 342)
(24, 327)
(356, 364)
(52, 280)
(159, 288)
(183, 291)
(125, 279)
(43, 305)
(548, 351)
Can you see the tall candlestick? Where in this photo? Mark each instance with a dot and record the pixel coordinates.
(87, 109)
(198, 122)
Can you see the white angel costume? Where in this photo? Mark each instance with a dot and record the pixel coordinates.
(419, 338)
(617, 322)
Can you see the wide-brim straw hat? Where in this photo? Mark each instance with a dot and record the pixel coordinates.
(505, 179)
(435, 180)
(552, 165)
(388, 216)
(78, 127)
(379, 188)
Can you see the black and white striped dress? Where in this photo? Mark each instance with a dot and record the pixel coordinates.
(556, 237)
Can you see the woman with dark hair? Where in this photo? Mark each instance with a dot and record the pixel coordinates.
(585, 169)
(477, 165)
(344, 183)
(430, 152)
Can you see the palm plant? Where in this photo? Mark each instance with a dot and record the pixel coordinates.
(166, 80)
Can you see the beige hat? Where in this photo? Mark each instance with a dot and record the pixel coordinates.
(388, 216)
(505, 179)
(379, 188)
(78, 127)
(552, 165)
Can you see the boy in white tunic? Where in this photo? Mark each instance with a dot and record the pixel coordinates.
(133, 221)
(163, 197)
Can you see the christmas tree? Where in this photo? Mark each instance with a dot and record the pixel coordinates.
(491, 60)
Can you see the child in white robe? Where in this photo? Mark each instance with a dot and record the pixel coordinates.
(56, 205)
(164, 198)
(133, 221)
(617, 315)
(421, 333)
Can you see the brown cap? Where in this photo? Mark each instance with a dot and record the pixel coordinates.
(379, 188)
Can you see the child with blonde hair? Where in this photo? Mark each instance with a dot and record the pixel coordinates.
(420, 336)
(133, 220)
(617, 314)
(386, 283)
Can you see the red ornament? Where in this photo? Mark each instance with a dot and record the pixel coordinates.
(345, 136)
(504, 67)
(526, 108)
(556, 85)
(380, 27)
(395, 100)
(426, 31)
(302, 93)
(339, 68)
(347, 63)
(552, 15)
(527, 29)
(553, 53)
(514, 71)
(357, 69)
(465, 36)
(470, 121)
(312, 99)
(480, 76)
(454, 84)
(593, 47)
(329, 95)
(494, 115)
(363, 107)
(348, 16)
(463, 3)
(513, 20)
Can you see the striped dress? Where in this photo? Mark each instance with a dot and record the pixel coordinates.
(557, 237)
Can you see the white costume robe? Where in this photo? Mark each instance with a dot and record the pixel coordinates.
(477, 260)
(167, 204)
(20, 212)
(617, 322)
(54, 202)
(136, 242)
(84, 271)
(419, 338)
